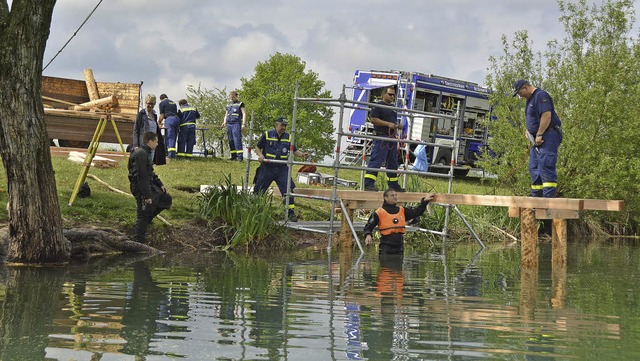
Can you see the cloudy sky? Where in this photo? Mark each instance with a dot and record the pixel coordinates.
(170, 44)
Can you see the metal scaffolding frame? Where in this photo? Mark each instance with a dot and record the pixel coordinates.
(343, 103)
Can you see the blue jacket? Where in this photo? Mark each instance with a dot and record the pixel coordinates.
(274, 147)
(188, 115)
(234, 112)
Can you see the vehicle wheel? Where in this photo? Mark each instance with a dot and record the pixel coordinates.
(73, 143)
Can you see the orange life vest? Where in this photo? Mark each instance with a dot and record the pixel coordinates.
(391, 223)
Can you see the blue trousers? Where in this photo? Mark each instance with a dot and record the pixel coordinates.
(383, 152)
(542, 165)
(172, 125)
(267, 173)
(186, 140)
(234, 135)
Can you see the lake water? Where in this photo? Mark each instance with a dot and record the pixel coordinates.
(453, 305)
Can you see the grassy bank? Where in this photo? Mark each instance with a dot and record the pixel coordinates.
(105, 208)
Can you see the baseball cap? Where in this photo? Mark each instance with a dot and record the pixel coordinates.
(282, 120)
(517, 85)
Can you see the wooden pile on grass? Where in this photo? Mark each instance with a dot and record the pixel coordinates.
(70, 96)
(98, 161)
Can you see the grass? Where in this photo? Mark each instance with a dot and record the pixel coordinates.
(183, 178)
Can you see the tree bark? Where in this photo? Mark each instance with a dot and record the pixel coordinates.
(35, 225)
(92, 242)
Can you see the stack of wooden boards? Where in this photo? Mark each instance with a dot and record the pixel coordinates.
(98, 161)
(74, 107)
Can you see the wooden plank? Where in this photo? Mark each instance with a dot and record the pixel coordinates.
(465, 199)
(64, 151)
(369, 198)
(102, 102)
(58, 101)
(542, 213)
(514, 212)
(603, 205)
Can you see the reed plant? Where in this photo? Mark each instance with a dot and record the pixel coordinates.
(244, 218)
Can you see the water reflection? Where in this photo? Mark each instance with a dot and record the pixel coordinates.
(31, 297)
(422, 306)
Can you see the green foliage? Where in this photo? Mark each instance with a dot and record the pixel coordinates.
(245, 217)
(211, 103)
(269, 93)
(592, 76)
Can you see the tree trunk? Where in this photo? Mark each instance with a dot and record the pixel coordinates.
(35, 225)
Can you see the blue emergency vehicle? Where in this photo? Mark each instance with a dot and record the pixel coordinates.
(433, 94)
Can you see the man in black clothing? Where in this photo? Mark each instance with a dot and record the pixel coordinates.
(391, 221)
(151, 195)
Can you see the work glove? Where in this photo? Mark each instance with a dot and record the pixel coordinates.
(426, 200)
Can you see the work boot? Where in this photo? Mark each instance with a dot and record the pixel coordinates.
(371, 188)
(292, 217)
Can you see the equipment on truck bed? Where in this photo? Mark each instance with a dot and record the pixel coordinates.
(428, 93)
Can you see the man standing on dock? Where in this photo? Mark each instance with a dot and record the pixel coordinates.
(543, 125)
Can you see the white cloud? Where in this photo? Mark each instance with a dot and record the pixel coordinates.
(169, 44)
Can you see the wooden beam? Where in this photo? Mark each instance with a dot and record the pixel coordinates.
(372, 200)
(59, 101)
(110, 101)
(603, 205)
(542, 213)
(514, 212)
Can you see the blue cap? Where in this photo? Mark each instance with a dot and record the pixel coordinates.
(282, 120)
(517, 85)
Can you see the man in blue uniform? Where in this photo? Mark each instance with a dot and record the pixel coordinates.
(385, 124)
(171, 121)
(235, 119)
(275, 145)
(187, 135)
(543, 125)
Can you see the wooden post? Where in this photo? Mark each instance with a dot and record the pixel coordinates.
(346, 258)
(558, 284)
(529, 235)
(92, 86)
(559, 242)
(346, 238)
(558, 262)
(528, 292)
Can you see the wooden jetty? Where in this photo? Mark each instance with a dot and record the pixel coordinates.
(529, 209)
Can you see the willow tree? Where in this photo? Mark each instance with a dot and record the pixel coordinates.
(592, 75)
(211, 103)
(35, 226)
(269, 94)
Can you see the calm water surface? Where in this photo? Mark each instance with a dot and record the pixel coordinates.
(461, 306)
